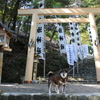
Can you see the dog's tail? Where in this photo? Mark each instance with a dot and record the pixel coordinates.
(50, 73)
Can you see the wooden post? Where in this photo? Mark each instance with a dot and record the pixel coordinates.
(30, 55)
(35, 71)
(95, 46)
(1, 63)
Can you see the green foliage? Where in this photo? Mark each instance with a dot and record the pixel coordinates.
(14, 64)
(50, 3)
(49, 34)
(56, 3)
(26, 24)
(90, 3)
(90, 49)
(54, 62)
(84, 36)
(14, 71)
(93, 3)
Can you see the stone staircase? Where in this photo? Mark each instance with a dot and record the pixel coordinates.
(87, 73)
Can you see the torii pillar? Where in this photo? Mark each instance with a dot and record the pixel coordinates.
(95, 45)
(30, 54)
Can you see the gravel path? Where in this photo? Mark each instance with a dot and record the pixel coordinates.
(43, 88)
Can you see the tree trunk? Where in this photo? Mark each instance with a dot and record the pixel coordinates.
(15, 15)
(4, 13)
(52, 35)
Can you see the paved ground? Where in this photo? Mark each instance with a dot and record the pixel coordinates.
(43, 88)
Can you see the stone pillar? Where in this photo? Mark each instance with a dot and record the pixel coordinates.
(35, 71)
(1, 63)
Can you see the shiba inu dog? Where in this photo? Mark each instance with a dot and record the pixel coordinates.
(58, 80)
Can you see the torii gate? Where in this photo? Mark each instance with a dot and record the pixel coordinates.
(60, 11)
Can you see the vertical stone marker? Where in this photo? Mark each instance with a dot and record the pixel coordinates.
(1, 63)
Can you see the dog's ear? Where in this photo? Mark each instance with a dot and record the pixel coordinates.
(65, 70)
(60, 71)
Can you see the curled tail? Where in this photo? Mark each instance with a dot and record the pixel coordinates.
(50, 73)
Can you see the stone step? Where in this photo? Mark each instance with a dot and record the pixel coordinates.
(81, 78)
(87, 73)
(47, 96)
(83, 81)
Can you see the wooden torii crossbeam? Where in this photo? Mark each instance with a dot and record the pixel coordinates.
(61, 11)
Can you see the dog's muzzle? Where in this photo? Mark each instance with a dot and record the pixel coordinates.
(63, 75)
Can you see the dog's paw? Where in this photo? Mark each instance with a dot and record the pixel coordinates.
(49, 92)
(57, 92)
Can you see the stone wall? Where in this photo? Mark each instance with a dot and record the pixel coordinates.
(16, 96)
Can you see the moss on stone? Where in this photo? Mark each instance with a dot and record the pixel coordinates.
(83, 97)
